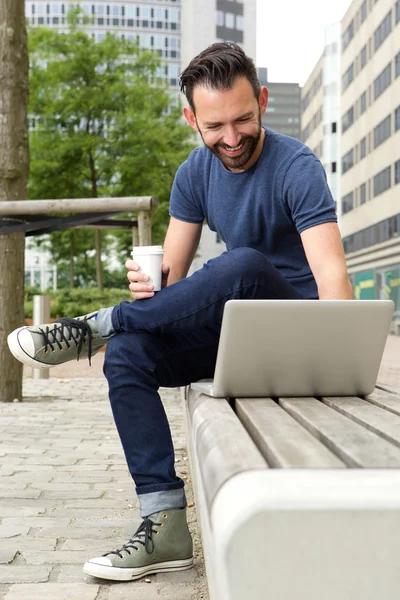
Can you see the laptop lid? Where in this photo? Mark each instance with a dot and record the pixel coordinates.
(272, 348)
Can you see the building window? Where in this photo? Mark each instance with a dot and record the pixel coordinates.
(348, 77)
(397, 65)
(230, 20)
(397, 119)
(348, 119)
(363, 57)
(363, 148)
(383, 81)
(383, 30)
(363, 103)
(348, 203)
(363, 193)
(334, 127)
(220, 18)
(348, 35)
(347, 161)
(397, 172)
(239, 23)
(382, 131)
(397, 11)
(382, 181)
(363, 11)
(334, 168)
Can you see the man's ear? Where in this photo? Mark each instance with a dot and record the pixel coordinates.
(190, 118)
(263, 100)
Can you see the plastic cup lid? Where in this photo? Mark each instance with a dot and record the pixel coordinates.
(139, 250)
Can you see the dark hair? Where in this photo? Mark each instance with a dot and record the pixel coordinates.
(218, 67)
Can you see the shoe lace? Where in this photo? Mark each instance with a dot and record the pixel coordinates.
(70, 331)
(143, 535)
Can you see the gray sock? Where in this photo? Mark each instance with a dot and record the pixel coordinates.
(104, 322)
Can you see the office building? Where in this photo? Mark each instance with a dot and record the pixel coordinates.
(176, 29)
(370, 147)
(320, 110)
(283, 110)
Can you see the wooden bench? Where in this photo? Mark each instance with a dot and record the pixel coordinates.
(298, 498)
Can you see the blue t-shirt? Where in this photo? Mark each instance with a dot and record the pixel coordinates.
(265, 207)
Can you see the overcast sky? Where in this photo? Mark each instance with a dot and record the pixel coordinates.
(290, 35)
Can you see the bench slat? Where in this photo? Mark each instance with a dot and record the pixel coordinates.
(280, 438)
(223, 446)
(380, 421)
(390, 402)
(354, 444)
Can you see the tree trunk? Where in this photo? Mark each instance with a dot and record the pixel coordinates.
(14, 165)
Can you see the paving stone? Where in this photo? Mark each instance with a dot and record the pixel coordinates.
(19, 493)
(67, 495)
(63, 487)
(10, 531)
(7, 554)
(28, 543)
(87, 478)
(24, 574)
(73, 574)
(177, 577)
(36, 522)
(53, 591)
(79, 532)
(58, 557)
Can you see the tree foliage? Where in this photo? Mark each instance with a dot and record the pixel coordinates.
(102, 124)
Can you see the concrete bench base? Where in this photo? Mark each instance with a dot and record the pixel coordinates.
(329, 530)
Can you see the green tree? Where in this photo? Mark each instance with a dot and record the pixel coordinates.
(103, 125)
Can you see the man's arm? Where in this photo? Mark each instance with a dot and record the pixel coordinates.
(180, 245)
(324, 251)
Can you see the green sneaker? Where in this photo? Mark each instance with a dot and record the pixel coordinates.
(45, 346)
(161, 543)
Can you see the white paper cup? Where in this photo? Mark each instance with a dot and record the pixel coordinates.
(150, 259)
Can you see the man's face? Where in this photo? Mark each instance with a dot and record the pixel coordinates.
(229, 122)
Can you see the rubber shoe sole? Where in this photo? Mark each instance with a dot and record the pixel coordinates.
(14, 344)
(125, 574)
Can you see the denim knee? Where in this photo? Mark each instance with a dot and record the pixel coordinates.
(247, 261)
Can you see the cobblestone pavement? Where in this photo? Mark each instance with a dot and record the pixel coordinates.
(66, 495)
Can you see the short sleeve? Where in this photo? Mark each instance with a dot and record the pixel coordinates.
(307, 193)
(183, 205)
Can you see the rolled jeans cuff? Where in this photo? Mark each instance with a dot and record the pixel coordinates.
(162, 500)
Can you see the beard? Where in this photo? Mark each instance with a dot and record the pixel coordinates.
(249, 146)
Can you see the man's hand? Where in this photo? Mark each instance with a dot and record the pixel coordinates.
(138, 285)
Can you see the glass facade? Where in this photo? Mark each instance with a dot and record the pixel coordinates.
(152, 25)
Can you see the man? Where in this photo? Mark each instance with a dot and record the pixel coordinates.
(266, 195)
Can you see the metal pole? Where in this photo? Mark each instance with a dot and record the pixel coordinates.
(41, 314)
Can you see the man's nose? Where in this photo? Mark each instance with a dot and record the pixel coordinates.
(231, 137)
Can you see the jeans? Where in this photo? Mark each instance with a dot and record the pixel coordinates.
(171, 340)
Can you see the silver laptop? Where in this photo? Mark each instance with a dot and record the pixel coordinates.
(273, 348)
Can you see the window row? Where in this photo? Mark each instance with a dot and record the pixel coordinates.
(229, 20)
(380, 134)
(380, 85)
(312, 125)
(315, 86)
(101, 10)
(372, 45)
(376, 186)
(107, 22)
(165, 46)
(383, 30)
(375, 234)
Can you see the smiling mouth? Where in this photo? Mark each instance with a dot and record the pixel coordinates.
(231, 149)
